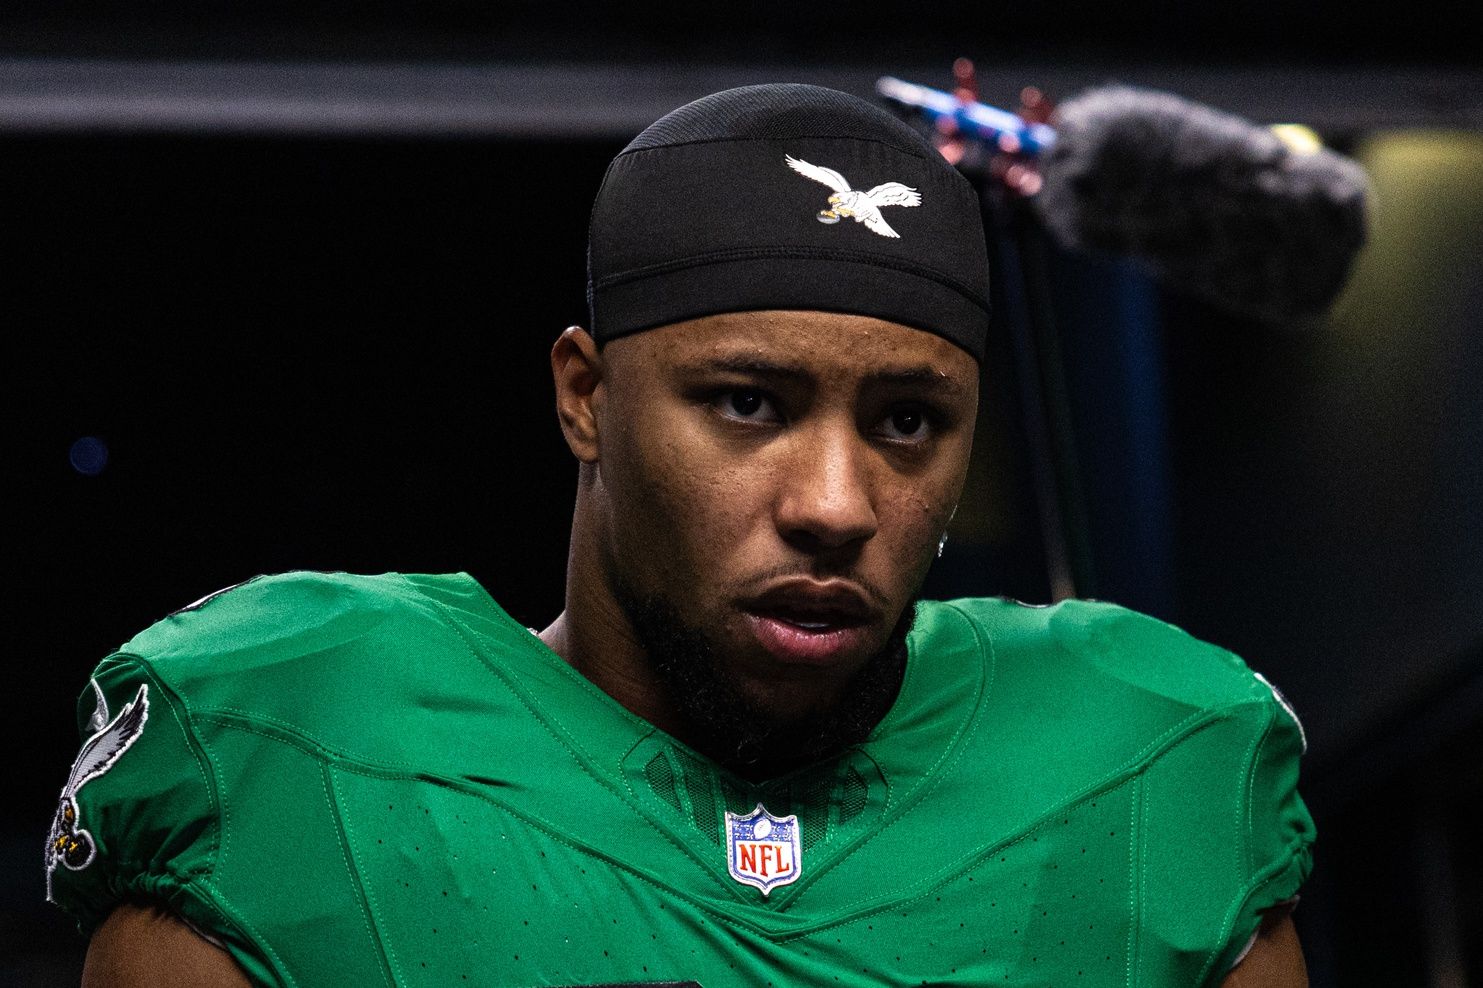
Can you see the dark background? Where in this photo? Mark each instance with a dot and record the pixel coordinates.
(298, 267)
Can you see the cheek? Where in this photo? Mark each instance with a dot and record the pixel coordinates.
(919, 513)
(679, 510)
(917, 522)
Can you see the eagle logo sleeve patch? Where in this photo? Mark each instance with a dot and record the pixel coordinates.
(862, 207)
(762, 850)
(68, 843)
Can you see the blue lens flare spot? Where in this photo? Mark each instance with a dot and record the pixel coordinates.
(89, 455)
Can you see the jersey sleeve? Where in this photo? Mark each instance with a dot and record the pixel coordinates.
(1222, 833)
(137, 817)
(1279, 833)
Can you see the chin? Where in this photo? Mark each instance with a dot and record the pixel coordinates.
(739, 701)
(790, 695)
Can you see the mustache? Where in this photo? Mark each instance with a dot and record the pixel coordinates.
(758, 583)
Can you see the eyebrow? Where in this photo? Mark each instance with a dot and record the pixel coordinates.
(919, 375)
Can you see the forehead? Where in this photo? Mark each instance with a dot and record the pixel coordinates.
(816, 344)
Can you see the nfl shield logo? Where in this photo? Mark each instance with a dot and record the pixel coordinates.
(763, 850)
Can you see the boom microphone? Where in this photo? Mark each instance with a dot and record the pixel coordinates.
(1216, 205)
(1221, 207)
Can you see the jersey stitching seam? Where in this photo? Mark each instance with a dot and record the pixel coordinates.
(578, 753)
(1244, 813)
(1108, 784)
(393, 771)
(1138, 763)
(213, 803)
(342, 827)
(717, 914)
(519, 691)
(1135, 883)
(952, 750)
(1039, 826)
(285, 734)
(1245, 809)
(248, 721)
(1130, 775)
(222, 841)
(560, 666)
(250, 934)
(197, 747)
(237, 717)
(1268, 875)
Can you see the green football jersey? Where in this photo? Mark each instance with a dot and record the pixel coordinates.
(352, 780)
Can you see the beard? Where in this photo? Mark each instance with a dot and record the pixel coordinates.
(721, 722)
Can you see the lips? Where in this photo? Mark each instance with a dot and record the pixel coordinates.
(810, 623)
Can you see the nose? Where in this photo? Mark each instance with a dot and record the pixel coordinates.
(825, 500)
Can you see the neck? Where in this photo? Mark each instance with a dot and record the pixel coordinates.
(595, 637)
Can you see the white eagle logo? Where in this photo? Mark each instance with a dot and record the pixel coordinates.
(68, 843)
(862, 207)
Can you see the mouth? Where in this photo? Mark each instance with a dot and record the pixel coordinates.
(808, 623)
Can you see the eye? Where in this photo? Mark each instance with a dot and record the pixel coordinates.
(747, 405)
(907, 421)
(907, 424)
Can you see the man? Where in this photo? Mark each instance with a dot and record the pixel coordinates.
(743, 754)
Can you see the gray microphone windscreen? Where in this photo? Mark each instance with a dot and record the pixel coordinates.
(1219, 206)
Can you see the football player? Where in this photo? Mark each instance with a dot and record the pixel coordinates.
(744, 753)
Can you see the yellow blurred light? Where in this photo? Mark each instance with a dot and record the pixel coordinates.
(1300, 138)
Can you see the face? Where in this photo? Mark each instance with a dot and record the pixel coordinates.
(778, 482)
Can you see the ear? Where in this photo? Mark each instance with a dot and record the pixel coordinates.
(577, 369)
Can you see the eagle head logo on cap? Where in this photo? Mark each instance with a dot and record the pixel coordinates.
(862, 207)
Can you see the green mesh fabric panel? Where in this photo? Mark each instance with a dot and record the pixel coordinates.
(661, 776)
(824, 798)
(814, 795)
(853, 797)
(703, 804)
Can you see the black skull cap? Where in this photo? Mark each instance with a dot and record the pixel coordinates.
(786, 196)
